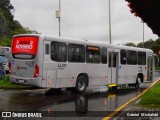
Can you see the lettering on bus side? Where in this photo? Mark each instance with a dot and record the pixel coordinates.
(24, 44)
(30, 63)
(62, 66)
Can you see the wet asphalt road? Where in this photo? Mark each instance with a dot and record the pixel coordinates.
(92, 103)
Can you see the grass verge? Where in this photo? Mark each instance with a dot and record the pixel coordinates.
(6, 84)
(157, 68)
(151, 99)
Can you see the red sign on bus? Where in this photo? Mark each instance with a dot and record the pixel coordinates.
(26, 44)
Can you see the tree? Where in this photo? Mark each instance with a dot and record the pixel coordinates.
(140, 45)
(155, 48)
(157, 41)
(7, 8)
(9, 26)
(148, 44)
(5, 41)
(2, 24)
(130, 44)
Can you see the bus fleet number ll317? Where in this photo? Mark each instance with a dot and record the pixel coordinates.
(62, 65)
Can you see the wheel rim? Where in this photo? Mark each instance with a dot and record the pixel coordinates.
(139, 83)
(81, 84)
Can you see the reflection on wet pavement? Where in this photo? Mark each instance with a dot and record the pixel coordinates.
(23, 101)
(88, 104)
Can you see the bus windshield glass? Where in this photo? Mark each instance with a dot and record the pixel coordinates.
(24, 47)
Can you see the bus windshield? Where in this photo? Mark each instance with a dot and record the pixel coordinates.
(24, 47)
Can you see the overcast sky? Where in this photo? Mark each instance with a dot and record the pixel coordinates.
(83, 19)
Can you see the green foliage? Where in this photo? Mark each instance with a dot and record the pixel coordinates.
(2, 23)
(152, 98)
(7, 9)
(130, 44)
(157, 68)
(147, 44)
(8, 26)
(4, 83)
(155, 48)
(5, 41)
(150, 44)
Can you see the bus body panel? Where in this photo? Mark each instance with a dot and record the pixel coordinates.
(54, 74)
(19, 67)
(66, 76)
(51, 78)
(23, 67)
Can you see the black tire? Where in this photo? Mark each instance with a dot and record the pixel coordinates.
(81, 84)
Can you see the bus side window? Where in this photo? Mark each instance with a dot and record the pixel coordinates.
(92, 54)
(141, 58)
(76, 53)
(104, 55)
(46, 48)
(131, 57)
(123, 57)
(59, 52)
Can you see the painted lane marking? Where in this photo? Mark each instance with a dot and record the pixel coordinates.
(133, 99)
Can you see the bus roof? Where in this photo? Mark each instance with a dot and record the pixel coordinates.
(84, 42)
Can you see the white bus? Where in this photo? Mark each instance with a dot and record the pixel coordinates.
(57, 62)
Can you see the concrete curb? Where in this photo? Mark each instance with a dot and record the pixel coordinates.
(127, 103)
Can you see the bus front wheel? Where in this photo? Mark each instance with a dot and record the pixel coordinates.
(81, 84)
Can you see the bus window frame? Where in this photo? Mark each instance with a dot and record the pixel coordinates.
(47, 52)
(143, 58)
(103, 57)
(65, 52)
(74, 53)
(94, 56)
(123, 62)
(130, 60)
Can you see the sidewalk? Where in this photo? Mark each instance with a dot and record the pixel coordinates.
(133, 111)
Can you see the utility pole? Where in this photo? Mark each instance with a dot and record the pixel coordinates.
(110, 37)
(58, 15)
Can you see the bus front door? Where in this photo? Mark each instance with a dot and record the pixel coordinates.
(113, 68)
(150, 68)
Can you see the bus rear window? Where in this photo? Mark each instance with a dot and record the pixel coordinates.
(24, 47)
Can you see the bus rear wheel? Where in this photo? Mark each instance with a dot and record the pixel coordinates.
(81, 84)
